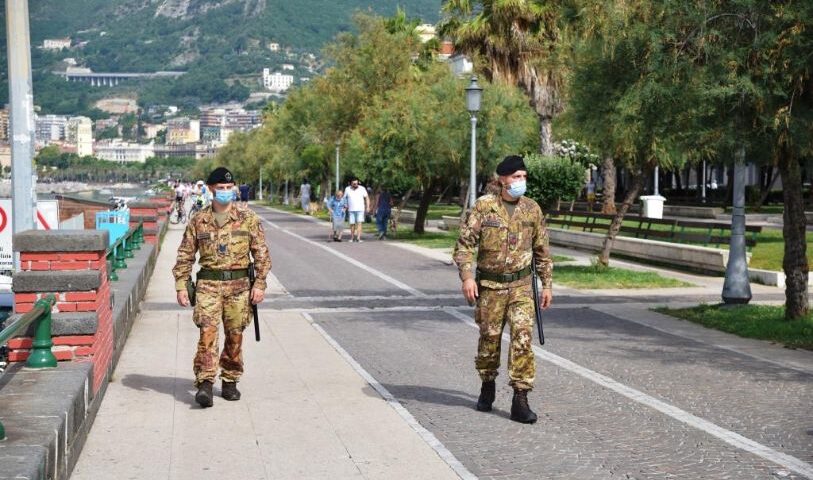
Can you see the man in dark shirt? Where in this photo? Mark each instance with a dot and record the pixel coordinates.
(244, 188)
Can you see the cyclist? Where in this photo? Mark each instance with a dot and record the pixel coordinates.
(180, 200)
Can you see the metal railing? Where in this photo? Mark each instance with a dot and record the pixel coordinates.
(41, 355)
(122, 249)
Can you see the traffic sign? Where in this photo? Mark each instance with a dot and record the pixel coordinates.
(47, 218)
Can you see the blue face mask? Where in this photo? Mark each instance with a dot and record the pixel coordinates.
(517, 189)
(224, 197)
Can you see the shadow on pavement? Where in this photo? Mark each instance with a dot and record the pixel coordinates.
(408, 395)
(166, 385)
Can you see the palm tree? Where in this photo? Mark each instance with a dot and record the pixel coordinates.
(516, 41)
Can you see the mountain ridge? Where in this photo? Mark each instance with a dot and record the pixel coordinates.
(223, 40)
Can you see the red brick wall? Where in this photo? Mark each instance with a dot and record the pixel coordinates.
(97, 348)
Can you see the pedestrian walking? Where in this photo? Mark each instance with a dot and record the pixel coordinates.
(508, 232)
(358, 202)
(383, 210)
(244, 191)
(337, 206)
(227, 237)
(305, 196)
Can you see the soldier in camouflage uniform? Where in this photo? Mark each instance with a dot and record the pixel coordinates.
(224, 234)
(507, 231)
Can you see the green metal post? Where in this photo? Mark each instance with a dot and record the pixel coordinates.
(112, 275)
(41, 355)
(135, 238)
(120, 263)
(128, 246)
(141, 233)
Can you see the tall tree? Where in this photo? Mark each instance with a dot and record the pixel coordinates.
(516, 41)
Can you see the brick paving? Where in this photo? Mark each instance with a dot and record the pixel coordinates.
(425, 359)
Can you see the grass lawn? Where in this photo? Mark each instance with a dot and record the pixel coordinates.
(751, 321)
(584, 276)
(562, 258)
(437, 211)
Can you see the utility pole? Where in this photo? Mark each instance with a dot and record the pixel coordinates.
(23, 194)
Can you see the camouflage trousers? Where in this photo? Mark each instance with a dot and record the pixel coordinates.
(495, 308)
(216, 306)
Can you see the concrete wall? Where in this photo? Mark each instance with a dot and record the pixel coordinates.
(686, 256)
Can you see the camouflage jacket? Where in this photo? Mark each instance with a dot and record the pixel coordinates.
(504, 244)
(223, 248)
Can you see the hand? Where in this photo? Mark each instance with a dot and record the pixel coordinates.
(470, 291)
(547, 298)
(183, 298)
(257, 296)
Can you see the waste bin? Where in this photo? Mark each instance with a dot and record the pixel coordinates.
(652, 206)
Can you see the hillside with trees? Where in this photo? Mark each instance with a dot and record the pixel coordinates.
(215, 42)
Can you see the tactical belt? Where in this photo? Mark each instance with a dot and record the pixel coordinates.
(504, 277)
(222, 275)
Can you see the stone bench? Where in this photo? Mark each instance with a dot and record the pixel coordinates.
(449, 223)
(691, 211)
(693, 257)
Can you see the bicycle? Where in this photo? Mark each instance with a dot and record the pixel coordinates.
(177, 215)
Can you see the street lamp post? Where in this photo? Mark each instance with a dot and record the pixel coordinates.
(737, 286)
(260, 191)
(474, 93)
(338, 144)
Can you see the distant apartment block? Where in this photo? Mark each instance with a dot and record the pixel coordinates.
(5, 155)
(460, 65)
(56, 43)
(79, 132)
(425, 32)
(50, 127)
(124, 152)
(277, 82)
(151, 130)
(189, 150)
(4, 124)
(183, 130)
(217, 124)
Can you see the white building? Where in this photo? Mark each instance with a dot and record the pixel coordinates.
(277, 81)
(79, 132)
(124, 152)
(460, 65)
(56, 43)
(50, 127)
(425, 32)
(287, 66)
(273, 46)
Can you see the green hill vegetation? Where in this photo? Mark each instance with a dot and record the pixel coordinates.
(223, 45)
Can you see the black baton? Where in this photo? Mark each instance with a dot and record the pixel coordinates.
(251, 277)
(537, 308)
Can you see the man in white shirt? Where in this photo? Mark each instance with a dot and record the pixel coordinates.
(358, 202)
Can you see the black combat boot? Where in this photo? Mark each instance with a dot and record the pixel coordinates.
(204, 395)
(520, 411)
(487, 394)
(229, 391)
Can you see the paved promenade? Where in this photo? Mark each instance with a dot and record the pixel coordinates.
(366, 370)
(305, 412)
